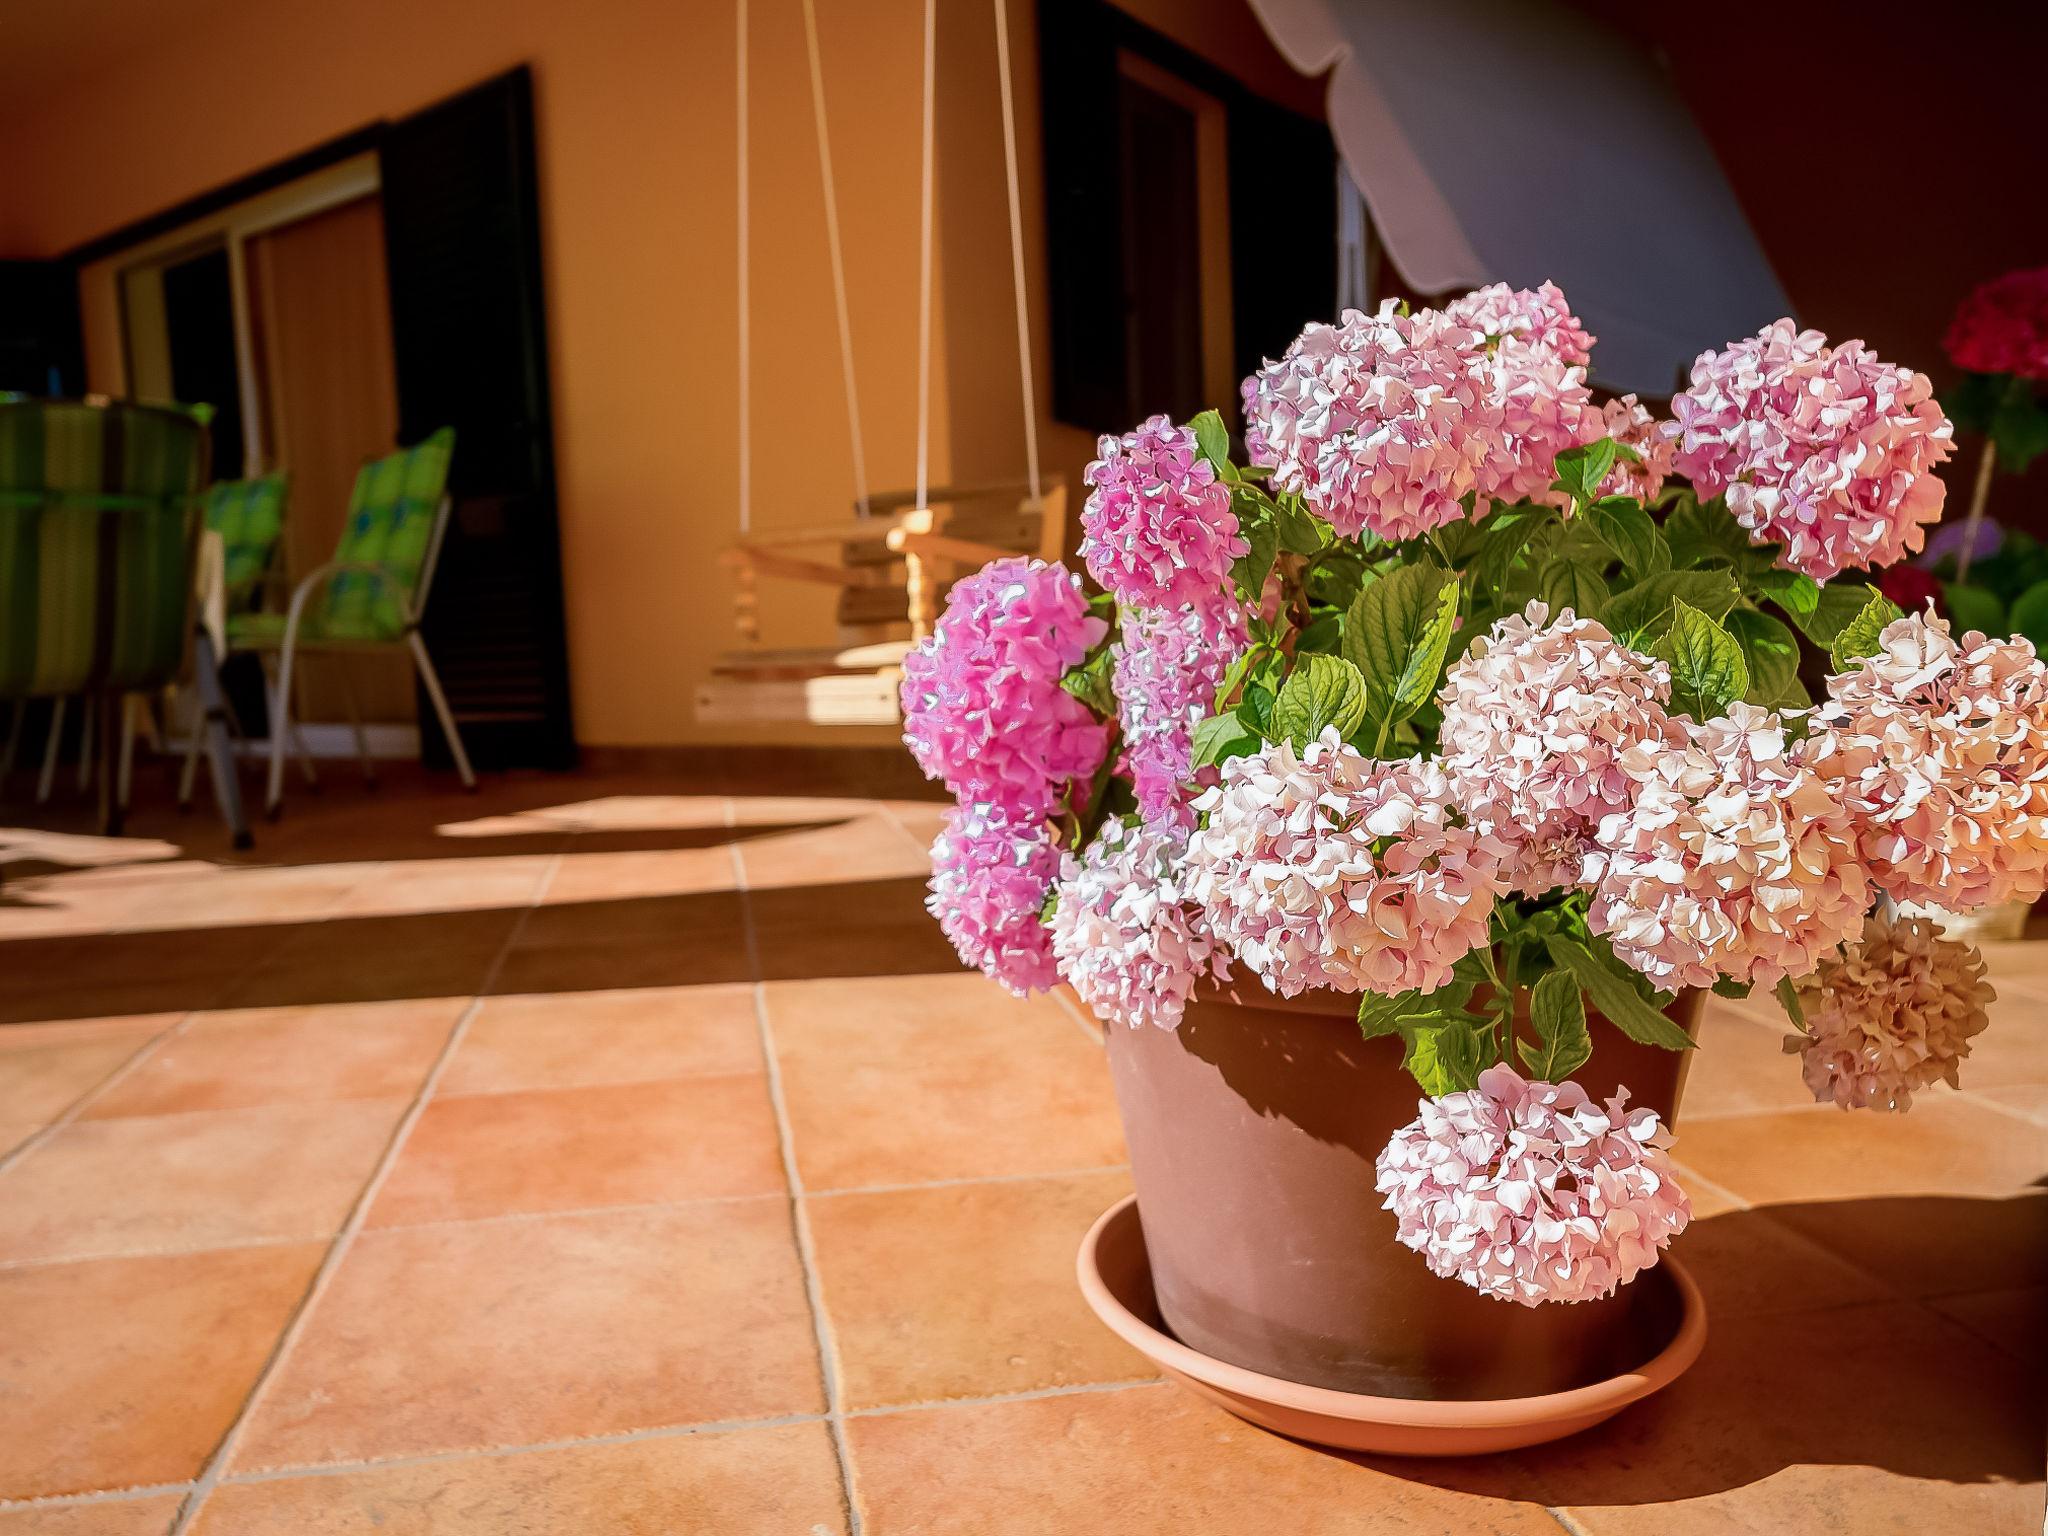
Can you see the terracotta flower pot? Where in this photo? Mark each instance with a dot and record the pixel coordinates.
(1253, 1132)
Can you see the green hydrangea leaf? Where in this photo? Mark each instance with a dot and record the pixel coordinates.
(1859, 637)
(1321, 691)
(1557, 1012)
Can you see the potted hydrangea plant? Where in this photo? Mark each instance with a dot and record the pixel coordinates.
(1461, 729)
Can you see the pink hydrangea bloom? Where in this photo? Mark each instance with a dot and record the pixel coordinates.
(2002, 327)
(1157, 528)
(991, 872)
(983, 709)
(1826, 450)
(1168, 666)
(1938, 748)
(1531, 361)
(1734, 859)
(1328, 868)
(1380, 422)
(1541, 316)
(1530, 1192)
(1124, 931)
(1634, 427)
(1536, 718)
(1892, 1014)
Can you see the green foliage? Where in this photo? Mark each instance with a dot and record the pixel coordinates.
(1788, 994)
(2007, 410)
(1222, 737)
(1628, 530)
(1445, 1054)
(1707, 669)
(1580, 470)
(1973, 607)
(1728, 986)
(1563, 583)
(2029, 615)
(1255, 520)
(1615, 995)
(1706, 533)
(1088, 681)
(1504, 537)
(1395, 636)
(1321, 691)
(1859, 637)
(1301, 532)
(1212, 438)
(1794, 591)
(1834, 606)
(1771, 652)
(1557, 1012)
(1644, 610)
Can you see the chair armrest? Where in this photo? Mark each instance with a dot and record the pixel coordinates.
(319, 576)
(940, 546)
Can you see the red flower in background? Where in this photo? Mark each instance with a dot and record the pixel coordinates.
(1909, 587)
(2002, 327)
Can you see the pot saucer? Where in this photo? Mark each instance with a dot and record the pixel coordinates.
(1116, 1279)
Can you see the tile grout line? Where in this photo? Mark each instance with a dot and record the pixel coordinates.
(92, 1095)
(500, 1218)
(216, 1465)
(96, 1496)
(799, 1218)
(658, 1432)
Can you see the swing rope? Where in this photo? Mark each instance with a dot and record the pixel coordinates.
(746, 339)
(1017, 251)
(924, 271)
(924, 257)
(860, 467)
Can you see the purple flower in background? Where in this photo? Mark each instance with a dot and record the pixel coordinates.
(1951, 539)
(1158, 529)
(983, 709)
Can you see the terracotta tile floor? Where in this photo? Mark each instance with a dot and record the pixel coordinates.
(590, 1156)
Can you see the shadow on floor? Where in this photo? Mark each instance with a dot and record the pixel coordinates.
(1948, 1384)
(860, 928)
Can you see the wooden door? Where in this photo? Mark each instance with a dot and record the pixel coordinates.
(320, 315)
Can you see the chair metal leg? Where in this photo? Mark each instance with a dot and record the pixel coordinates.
(280, 733)
(87, 721)
(355, 719)
(227, 789)
(432, 680)
(107, 707)
(13, 742)
(48, 780)
(131, 705)
(300, 750)
(189, 771)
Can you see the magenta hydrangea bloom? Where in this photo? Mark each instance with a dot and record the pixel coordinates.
(1327, 868)
(1380, 422)
(991, 873)
(1157, 527)
(1826, 450)
(1530, 1192)
(983, 709)
(1168, 666)
(1938, 748)
(1127, 936)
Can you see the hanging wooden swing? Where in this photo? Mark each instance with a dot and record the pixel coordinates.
(893, 563)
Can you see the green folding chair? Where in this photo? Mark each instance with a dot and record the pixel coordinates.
(99, 524)
(247, 518)
(369, 598)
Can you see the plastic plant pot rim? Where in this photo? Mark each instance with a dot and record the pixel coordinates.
(1582, 1405)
